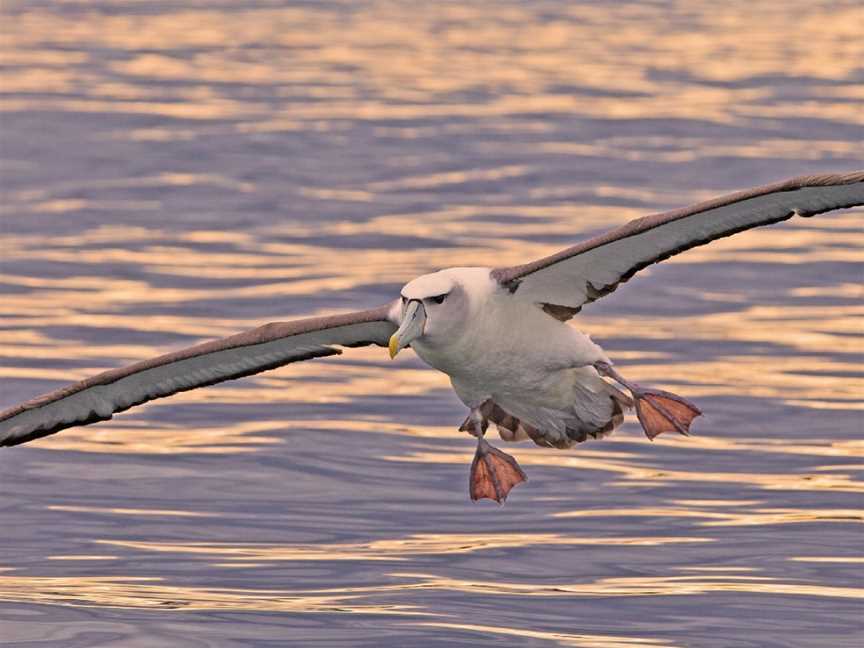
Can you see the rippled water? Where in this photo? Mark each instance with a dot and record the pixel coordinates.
(173, 171)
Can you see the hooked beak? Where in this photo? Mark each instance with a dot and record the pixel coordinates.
(413, 322)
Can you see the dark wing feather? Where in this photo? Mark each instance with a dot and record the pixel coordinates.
(562, 283)
(100, 397)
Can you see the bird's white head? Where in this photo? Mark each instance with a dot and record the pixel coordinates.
(432, 308)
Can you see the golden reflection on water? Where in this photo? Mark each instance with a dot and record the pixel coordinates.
(637, 475)
(438, 56)
(152, 438)
(410, 73)
(135, 592)
(560, 638)
(393, 61)
(138, 592)
(396, 549)
(730, 518)
(154, 593)
(639, 586)
(829, 559)
(129, 511)
(77, 557)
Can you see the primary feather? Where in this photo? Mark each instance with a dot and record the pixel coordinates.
(591, 269)
(100, 397)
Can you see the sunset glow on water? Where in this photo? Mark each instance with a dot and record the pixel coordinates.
(177, 171)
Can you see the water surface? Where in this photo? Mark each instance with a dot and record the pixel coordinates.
(175, 171)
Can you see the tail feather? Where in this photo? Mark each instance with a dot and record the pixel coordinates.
(582, 433)
(570, 430)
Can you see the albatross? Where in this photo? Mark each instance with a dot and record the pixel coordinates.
(501, 335)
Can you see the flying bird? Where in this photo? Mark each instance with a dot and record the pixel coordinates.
(500, 334)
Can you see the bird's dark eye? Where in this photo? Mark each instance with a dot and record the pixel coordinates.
(439, 299)
(404, 300)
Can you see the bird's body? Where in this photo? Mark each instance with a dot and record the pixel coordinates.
(501, 335)
(533, 366)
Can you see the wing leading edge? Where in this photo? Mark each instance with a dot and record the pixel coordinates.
(99, 397)
(564, 282)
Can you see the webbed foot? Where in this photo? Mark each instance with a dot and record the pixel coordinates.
(493, 473)
(659, 411)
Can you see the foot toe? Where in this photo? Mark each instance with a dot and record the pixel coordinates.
(661, 412)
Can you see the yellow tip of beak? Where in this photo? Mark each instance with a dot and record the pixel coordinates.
(394, 346)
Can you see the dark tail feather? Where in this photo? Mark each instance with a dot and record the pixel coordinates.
(513, 429)
(583, 432)
(509, 427)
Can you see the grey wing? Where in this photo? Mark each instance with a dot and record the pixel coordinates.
(564, 282)
(100, 397)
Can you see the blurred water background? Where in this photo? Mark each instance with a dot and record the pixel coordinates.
(180, 170)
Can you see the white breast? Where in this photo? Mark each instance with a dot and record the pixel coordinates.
(506, 345)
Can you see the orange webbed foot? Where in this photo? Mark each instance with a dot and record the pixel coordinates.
(493, 473)
(659, 412)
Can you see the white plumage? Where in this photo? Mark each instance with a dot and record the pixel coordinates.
(535, 367)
